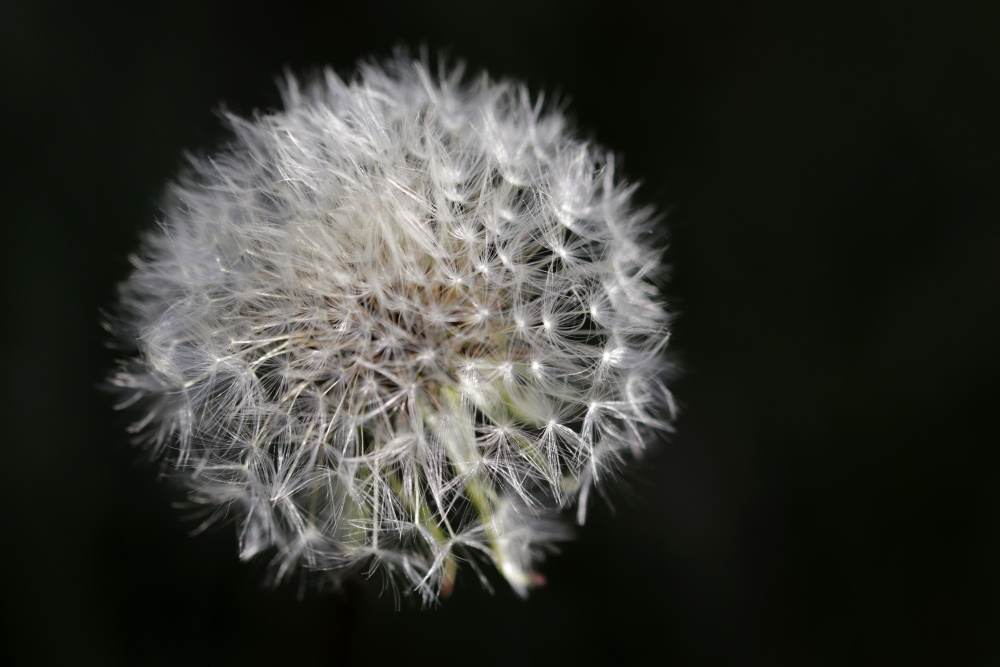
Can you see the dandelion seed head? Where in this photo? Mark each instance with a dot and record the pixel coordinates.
(404, 320)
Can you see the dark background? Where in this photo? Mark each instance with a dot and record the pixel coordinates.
(831, 495)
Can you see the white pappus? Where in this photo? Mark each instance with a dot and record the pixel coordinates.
(399, 324)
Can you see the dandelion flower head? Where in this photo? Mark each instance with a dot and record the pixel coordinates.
(398, 325)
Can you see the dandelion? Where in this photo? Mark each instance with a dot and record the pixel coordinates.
(400, 325)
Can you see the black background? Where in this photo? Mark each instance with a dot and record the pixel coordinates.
(830, 174)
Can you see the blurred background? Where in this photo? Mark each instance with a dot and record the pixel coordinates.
(830, 177)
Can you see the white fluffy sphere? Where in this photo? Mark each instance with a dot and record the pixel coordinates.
(397, 324)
